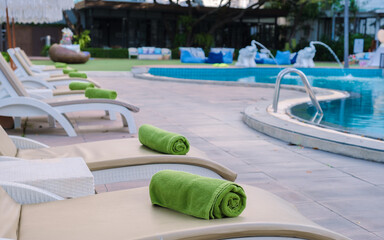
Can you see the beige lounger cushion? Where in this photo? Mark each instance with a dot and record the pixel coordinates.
(123, 152)
(52, 79)
(54, 102)
(129, 215)
(23, 63)
(27, 69)
(12, 78)
(25, 57)
(49, 68)
(64, 91)
(9, 216)
(7, 147)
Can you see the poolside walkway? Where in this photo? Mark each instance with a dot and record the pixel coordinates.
(341, 193)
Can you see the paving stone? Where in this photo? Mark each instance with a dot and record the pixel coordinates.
(340, 193)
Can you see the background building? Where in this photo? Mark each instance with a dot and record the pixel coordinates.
(134, 23)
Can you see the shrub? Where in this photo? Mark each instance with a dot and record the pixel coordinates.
(107, 53)
(6, 56)
(322, 54)
(175, 53)
(83, 40)
(44, 51)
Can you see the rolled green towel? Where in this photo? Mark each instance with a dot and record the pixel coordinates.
(60, 65)
(195, 195)
(163, 141)
(80, 85)
(69, 70)
(100, 93)
(77, 75)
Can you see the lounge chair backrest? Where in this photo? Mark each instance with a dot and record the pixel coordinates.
(7, 147)
(25, 57)
(23, 64)
(9, 216)
(10, 76)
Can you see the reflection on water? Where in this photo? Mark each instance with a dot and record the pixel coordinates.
(361, 113)
(250, 79)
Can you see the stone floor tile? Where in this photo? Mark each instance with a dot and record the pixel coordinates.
(340, 193)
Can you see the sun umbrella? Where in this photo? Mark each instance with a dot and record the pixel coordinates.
(31, 11)
(34, 11)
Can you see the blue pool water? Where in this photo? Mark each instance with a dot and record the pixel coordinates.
(362, 113)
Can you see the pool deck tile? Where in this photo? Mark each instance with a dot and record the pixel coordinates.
(341, 193)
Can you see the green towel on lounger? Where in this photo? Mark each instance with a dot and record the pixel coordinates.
(163, 141)
(100, 93)
(77, 75)
(60, 65)
(80, 85)
(69, 70)
(195, 195)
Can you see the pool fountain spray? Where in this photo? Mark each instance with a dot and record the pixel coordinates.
(267, 50)
(329, 49)
(305, 56)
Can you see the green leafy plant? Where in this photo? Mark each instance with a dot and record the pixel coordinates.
(204, 40)
(83, 39)
(322, 54)
(44, 51)
(5, 55)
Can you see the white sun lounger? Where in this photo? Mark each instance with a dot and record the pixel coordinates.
(16, 102)
(117, 160)
(129, 214)
(28, 77)
(36, 68)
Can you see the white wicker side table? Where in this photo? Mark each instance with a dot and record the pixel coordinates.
(66, 177)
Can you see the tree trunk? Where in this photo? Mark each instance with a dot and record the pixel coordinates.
(230, 18)
(170, 31)
(76, 29)
(296, 23)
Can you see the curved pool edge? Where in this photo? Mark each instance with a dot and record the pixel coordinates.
(141, 72)
(286, 128)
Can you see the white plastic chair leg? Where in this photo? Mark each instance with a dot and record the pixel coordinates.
(112, 115)
(51, 121)
(17, 122)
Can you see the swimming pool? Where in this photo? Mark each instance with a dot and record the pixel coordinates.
(362, 113)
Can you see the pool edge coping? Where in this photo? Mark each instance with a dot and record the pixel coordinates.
(286, 128)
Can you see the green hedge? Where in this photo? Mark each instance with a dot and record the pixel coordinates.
(323, 54)
(107, 53)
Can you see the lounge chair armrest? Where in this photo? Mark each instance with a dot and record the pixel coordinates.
(26, 194)
(26, 143)
(37, 68)
(35, 82)
(7, 158)
(40, 93)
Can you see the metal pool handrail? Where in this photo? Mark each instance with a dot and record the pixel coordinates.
(307, 86)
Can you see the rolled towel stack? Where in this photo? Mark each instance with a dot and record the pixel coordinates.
(60, 65)
(201, 197)
(100, 93)
(163, 141)
(80, 85)
(69, 70)
(77, 75)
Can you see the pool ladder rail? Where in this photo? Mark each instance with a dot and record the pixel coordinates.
(308, 89)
